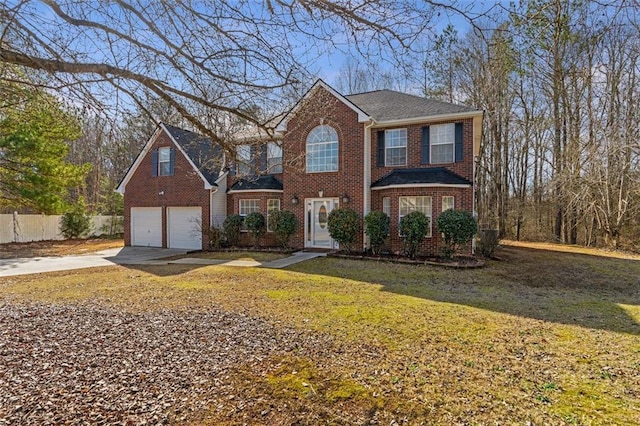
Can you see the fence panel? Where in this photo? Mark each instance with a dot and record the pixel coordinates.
(35, 227)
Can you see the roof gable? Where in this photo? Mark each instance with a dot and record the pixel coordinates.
(205, 158)
(363, 117)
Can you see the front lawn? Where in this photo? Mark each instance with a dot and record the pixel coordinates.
(540, 337)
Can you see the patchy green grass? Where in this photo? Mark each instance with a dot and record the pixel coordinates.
(541, 337)
(258, 256)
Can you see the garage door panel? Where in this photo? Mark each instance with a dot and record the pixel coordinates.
(146, 226)
(183, 227)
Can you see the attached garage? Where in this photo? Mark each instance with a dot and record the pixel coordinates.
(183, 227)
(146, 226)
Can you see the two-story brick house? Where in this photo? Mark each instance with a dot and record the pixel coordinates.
(381, 150)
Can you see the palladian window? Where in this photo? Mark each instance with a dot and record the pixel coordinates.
(322, 150)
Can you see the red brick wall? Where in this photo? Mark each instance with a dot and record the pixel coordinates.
(430, 246)
(323, 108)
(185, 188)
(414, 151)
(233, 207)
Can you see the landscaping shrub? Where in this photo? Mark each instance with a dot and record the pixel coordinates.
(283, 223)
(413, 229)
(76, 223)
(344, 226)
(231, 228)
(488, 242)
(377, 225)
(256, 225)
(216, 236)
(458, 228)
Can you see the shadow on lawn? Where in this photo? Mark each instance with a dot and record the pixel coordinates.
(565, 288)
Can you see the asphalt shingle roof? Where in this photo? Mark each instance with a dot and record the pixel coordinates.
(433, 175)
(206, 155)
(257, 183)
(386, 105)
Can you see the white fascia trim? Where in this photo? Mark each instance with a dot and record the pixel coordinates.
(422, 185)
(362, 116)
(207, 185)
(428, 119)
(222, 176)
(239, 191)
(138, 160)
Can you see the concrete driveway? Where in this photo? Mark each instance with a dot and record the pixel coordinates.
(117, 256)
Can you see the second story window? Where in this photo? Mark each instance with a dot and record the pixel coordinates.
(243, 160)
(322, 150)
(162, 160)
(274, 157)
(442, 138)
(395, 147)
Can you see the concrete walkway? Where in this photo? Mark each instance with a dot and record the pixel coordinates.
(132, 256)
(117, 256)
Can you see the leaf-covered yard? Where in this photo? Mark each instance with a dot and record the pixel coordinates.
(540, 336)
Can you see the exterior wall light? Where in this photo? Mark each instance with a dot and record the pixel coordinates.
(294, 200)
(345, 199)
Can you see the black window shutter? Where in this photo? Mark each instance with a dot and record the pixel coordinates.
(154, 163)
(424, 146)
(172, 160)
(459, 147)
(381, 148)
(263, 157)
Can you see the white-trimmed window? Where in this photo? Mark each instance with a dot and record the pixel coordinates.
(243, 160)
(273, 205)
(422, 204)
(274, 157)
(442, 139)
(164, 161)
(322, 150)
(245, 207)
(395, 147)
(448, 202)
(386, 206)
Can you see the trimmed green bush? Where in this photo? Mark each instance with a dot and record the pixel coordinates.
(344, 226)
(76, 223)
(413, 228)
(283, 224)
(458, 228)
(256, 225)
(231, 228)
(377, 226)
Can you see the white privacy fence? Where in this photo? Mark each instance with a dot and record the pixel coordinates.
(19, 228)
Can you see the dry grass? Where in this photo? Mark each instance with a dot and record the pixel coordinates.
(57, 248)
(576, 249)
(540, 337)
(257, 256)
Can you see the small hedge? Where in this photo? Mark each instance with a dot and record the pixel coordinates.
(76, 223)
(256, 225)
(283, 224)
(413, 228)
(377, 226)
(344, 226)
(231, 228)
(458, 228)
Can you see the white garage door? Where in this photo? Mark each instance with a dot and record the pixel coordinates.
(146, 226)
(183, 227)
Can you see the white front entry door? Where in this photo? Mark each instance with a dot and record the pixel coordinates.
(317, 218)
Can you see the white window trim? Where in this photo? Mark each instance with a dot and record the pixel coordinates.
(388, 213)
(244, 215)
(453, 204)
(430, 216)
(452, 143)
(241, 162)
(167, 150)
(269, 211)
(386, 147)
(337, 142)
(280, 164)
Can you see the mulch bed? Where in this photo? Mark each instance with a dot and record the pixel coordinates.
(461, 262)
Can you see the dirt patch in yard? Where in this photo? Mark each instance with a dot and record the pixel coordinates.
(57, 248)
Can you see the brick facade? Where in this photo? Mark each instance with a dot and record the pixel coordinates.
(185, 188)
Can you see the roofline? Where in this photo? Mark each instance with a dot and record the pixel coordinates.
(422, 185)
(145, 151)
(363, 117)
(236, 191)
(223, 175)
(428, 118)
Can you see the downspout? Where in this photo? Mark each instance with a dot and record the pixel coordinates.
(367, 177)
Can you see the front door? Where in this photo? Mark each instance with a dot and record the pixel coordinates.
(317, 230)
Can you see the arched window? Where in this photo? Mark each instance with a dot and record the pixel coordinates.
(322, 150)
